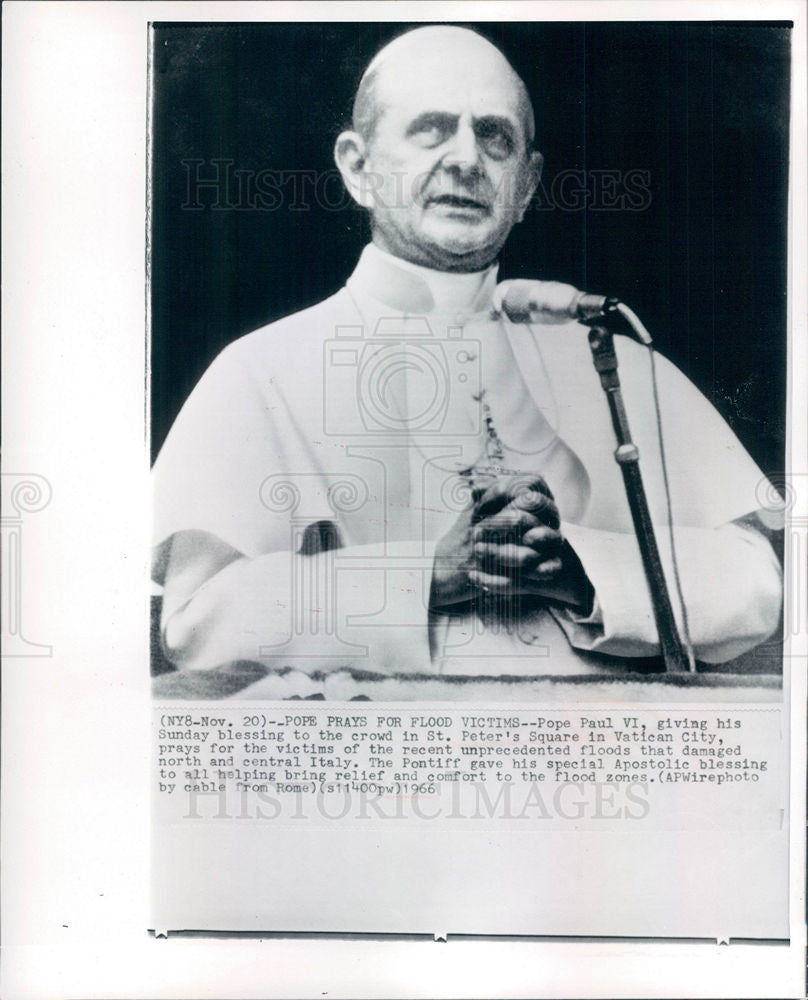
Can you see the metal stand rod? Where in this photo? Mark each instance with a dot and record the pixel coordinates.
(627, 457)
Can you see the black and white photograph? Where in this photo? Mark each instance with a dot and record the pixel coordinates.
(468, 353)
(468, 396)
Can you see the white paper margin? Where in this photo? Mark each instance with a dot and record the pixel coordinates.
(75, 724)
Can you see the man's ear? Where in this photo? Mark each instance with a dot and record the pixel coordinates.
(350, 155)
(532, 182)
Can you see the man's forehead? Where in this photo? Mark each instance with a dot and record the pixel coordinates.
(452, 82)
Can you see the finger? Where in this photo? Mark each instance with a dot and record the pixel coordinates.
(479, 487)
(500, 586)
(505, 559)
(543, 539)
(492, 499)
(508, 525)
(504, 491)
(547, 570)
(540, 504)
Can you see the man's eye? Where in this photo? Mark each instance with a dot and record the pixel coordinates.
(495, 141)
(430, 134)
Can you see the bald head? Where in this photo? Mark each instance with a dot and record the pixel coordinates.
(434, 53)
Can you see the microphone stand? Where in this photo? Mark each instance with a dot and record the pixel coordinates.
(627, 457)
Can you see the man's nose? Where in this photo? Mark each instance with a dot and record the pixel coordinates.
(463, 154)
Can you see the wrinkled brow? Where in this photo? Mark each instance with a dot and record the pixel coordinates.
(445, 119)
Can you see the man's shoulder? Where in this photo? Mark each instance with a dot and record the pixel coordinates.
(567, 360)
(573, 335)
(294, 336)
(567, 344)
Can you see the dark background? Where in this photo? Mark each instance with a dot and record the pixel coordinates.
(702, 108)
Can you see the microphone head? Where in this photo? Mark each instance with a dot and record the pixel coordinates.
(589, 307)
(546, 302)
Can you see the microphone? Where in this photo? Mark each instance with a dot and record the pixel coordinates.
(549, 302)
(552, 302)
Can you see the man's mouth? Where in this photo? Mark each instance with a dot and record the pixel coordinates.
(458, 201)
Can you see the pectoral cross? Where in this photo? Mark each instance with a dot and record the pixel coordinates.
(490, 468)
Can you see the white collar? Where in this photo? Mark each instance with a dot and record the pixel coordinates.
(415, 290)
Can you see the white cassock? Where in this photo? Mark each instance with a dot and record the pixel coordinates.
(364, 415)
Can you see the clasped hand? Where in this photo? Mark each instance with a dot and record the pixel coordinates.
(507, 542)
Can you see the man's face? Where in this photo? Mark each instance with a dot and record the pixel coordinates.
(448, 160)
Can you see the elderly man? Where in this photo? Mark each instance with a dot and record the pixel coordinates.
(399, 490)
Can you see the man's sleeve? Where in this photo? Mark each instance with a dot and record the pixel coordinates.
(730, 581)
(356, 607)
(239, 469)
(730, 577)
